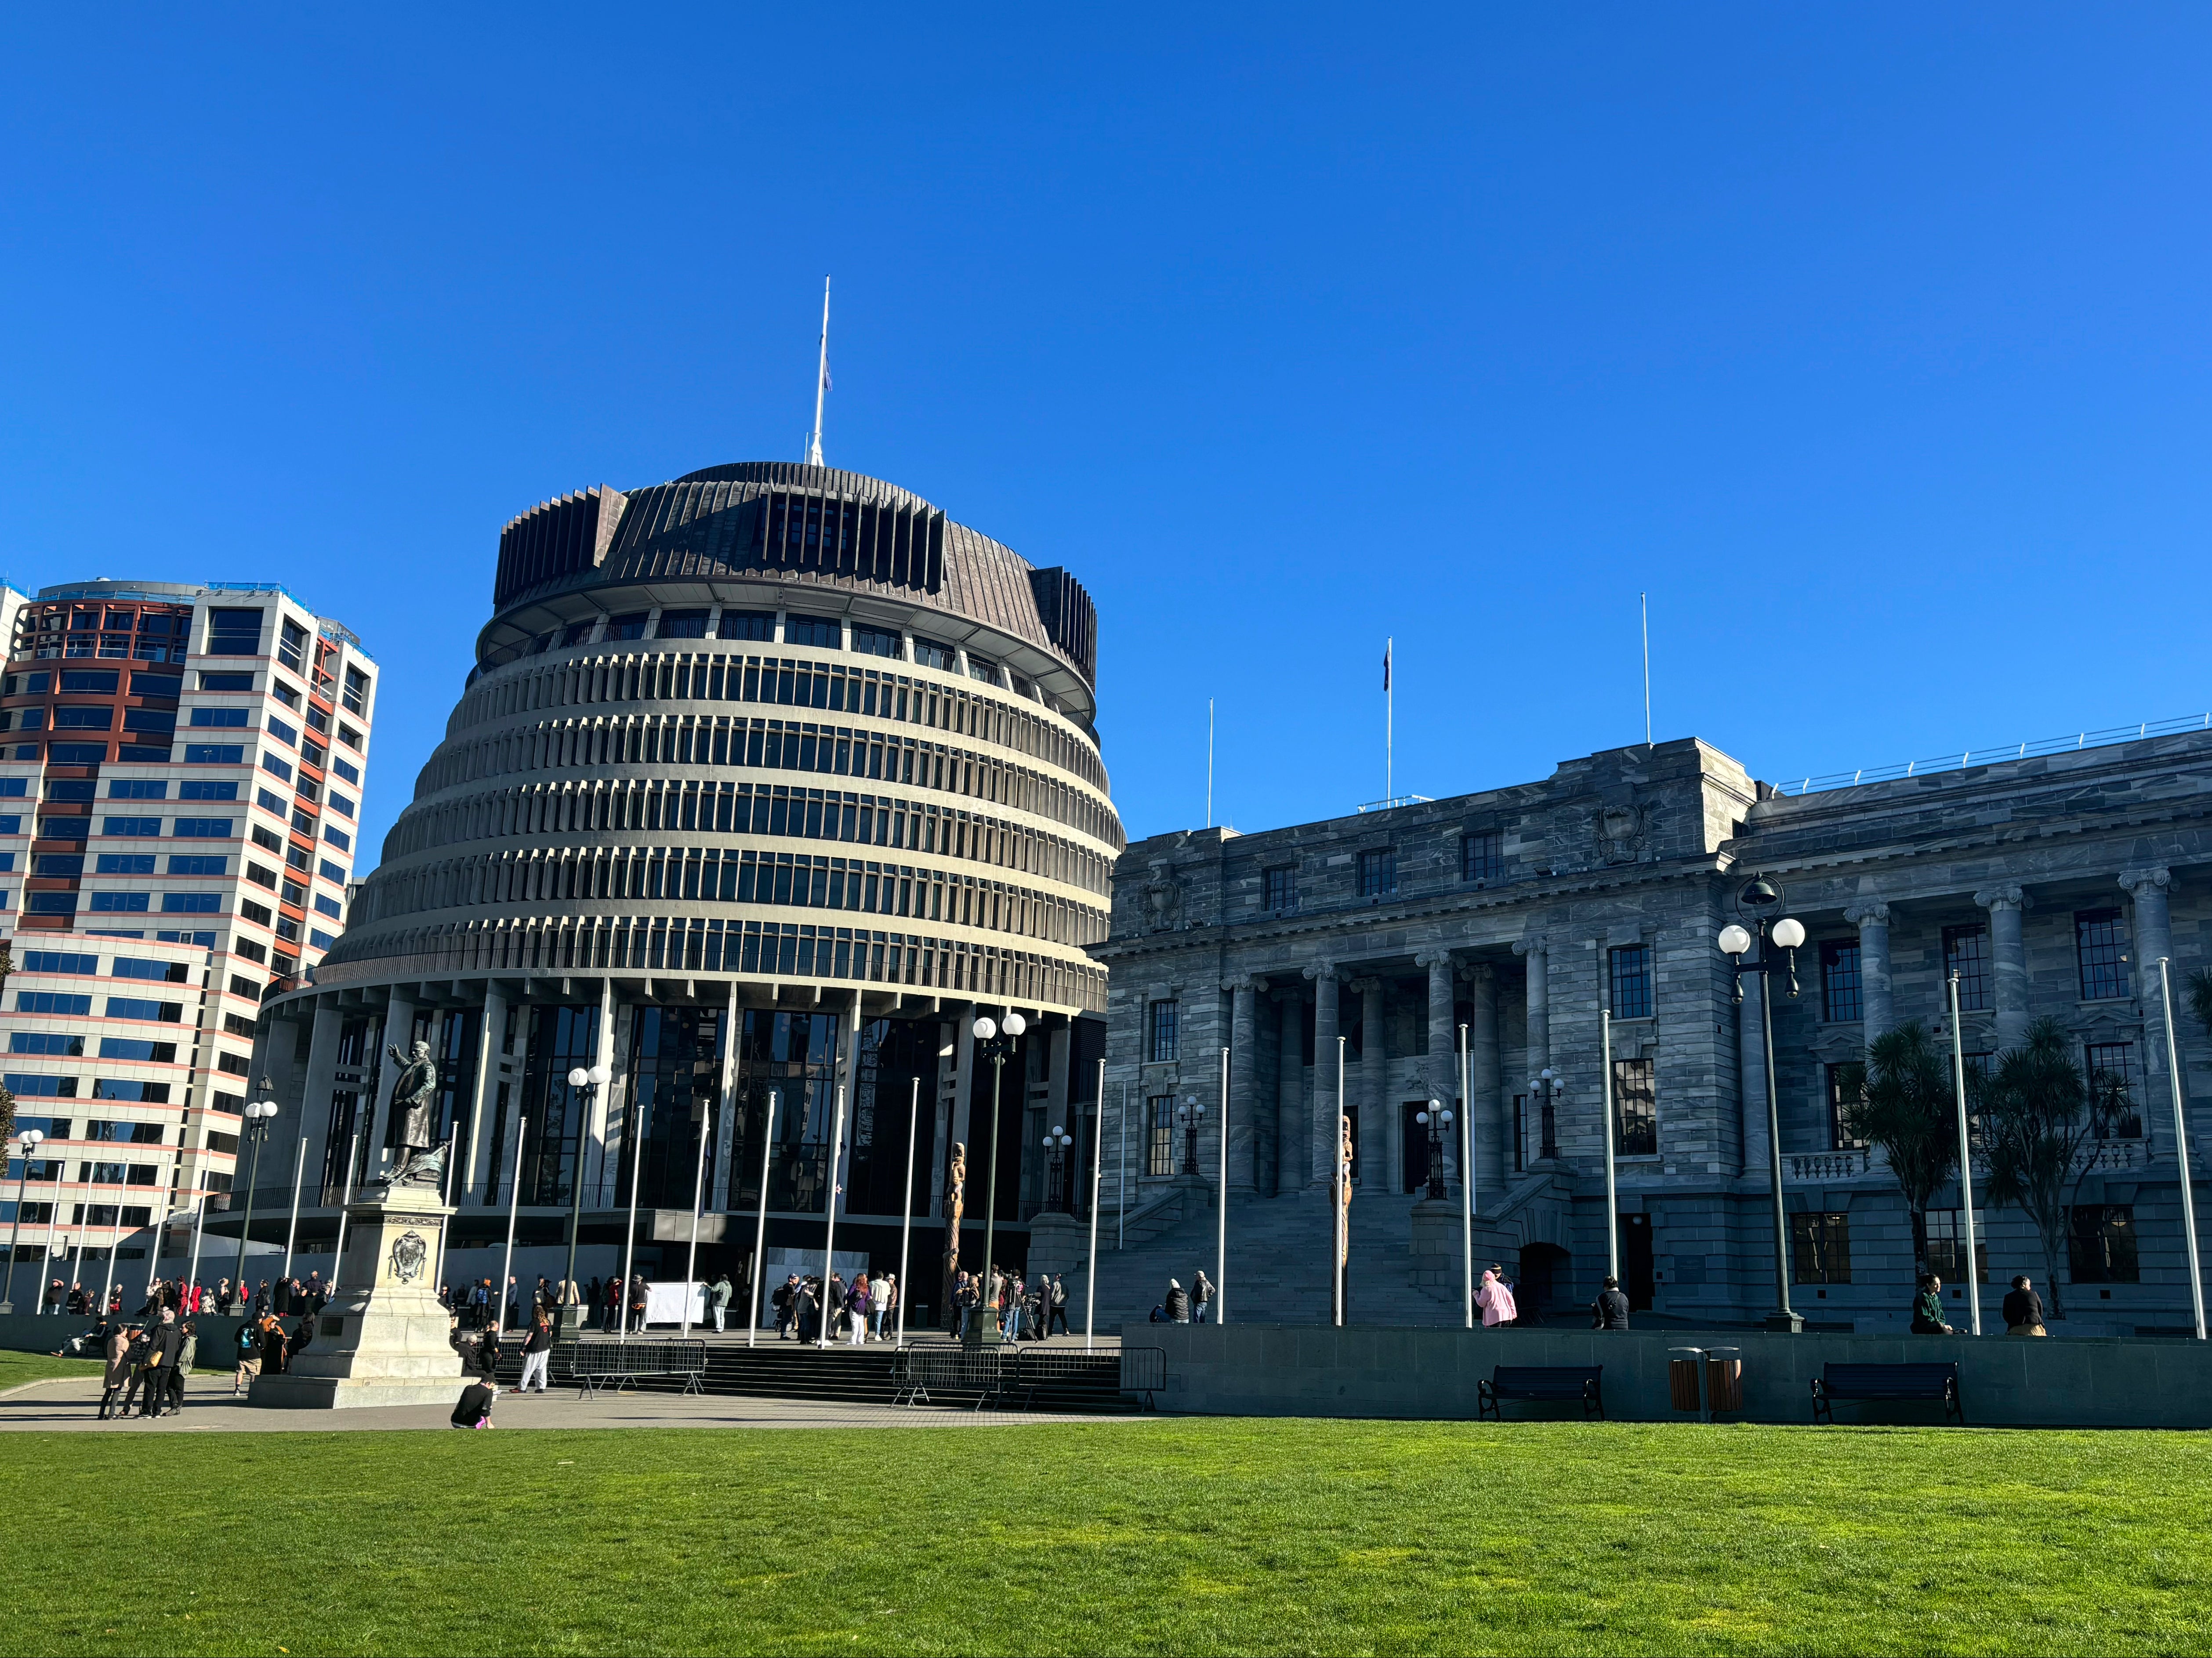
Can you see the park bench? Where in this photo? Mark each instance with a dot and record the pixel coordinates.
(1885, 1382)
(595, 1365)
(1550, 1383)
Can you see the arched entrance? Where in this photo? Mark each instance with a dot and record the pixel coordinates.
(1544, 1278)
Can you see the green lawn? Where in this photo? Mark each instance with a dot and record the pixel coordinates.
(16, 1369)
(1180, 1536)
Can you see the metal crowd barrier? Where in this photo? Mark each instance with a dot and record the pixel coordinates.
(593, 1365)
(1145, 1370)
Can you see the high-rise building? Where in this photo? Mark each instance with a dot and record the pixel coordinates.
(765, 780)
(180, 778)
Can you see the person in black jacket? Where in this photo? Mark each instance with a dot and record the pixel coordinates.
(161, 1363)
(2023, 1309)
(474, 1410)
(1610, 1310)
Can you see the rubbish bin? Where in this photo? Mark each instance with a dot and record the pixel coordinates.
(1682, 1385)
(1723, 1379)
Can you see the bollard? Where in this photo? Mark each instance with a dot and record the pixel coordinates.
(1683, 1392)
(1724, 1380)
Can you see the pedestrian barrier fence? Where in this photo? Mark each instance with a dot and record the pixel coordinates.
(1145, 1370)
(594, 1365)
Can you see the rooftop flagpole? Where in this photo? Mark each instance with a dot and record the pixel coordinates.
(820, 383)
(1390, 723)
(1644, 600)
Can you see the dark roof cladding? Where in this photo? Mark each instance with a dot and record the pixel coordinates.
(810, 524)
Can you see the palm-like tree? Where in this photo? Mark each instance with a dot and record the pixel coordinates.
(1901, 1100)
(2200, 997)
(2036, 1111)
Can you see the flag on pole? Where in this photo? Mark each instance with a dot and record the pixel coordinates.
(1386, 667)
(825, 374)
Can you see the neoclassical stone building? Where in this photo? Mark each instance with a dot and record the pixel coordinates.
(2051, 885)
(763, 780)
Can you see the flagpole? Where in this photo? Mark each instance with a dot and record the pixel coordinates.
(1644, 600)
(821, 384)
(1209, 762)
(1389, 722)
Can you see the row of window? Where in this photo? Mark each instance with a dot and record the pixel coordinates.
(98, 1130)
(2100, 958)
(2100, 1246)
(1482, 858)
(68, 1045)
(74, 1006)
(33, 1085)
(790, 684)
(725, 809)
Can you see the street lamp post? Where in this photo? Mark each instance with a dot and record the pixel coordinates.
(258, 1116)
(998, 1041)
(1056, 1142)
(1190, 1114)
(1438, 1118)
(588, 1080)
(27, 1143)
(1546, 1089)
(1759, 902)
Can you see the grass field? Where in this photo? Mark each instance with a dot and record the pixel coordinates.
(1169, 1536)
(16, 1369)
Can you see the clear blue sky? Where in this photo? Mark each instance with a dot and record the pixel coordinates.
(1872, 343)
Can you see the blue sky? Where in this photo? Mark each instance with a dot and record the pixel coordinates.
(1870, 342)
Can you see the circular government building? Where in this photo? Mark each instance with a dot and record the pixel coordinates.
(764, 782)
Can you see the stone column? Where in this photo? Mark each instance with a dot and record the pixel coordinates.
(2153, 938)
(1321, 1137)
(1245, 1128)
(2008, 961)
(398, 1031)
(1443, 1048)
(1371, 1092)
(1291, 1138)
(1538, 952)
(1485, 1066)
(316, 1091)
(1871, 917)
(477, 1158)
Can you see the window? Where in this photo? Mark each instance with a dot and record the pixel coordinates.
(291, 644)
(130, 826)
(1820, 1248)
(747, 624)
(58, 863)
(331, 872)
(347, 770)
(340, 804)
(1482, 856)
(124, 1134)
(137, 788)
(2102, 949)
(629, 626)
(206, 789)
(218, 717)
(213, 754)
(1282, 888)
(65, 828)
(120, 903)
(982, 668)
(131, 1007)
(1635, 1108)
(1841, 995)
(247, 948)
(1378, 872)
(260, 916)
(261, 875)
(578, 633)
(137, 1093)
(78, 754)
(1631, 982)
(191, 903)
(320, 939)
(284, 694)
(224, 681)
(233, 633)
(132, 1047)
(1946, 1245)
(183, 864)
(328, 906)
(277, 767)
(682, 624)
(62, 1088)
(269, 802)
(53, 1043)
(823, 632)
(204, 829)
(70, 788)
(89, 680)
(1159, 1133)
(2100, 1243)
(235, 1065)
(929, 653)
(356, 699)
(2114, 1098)
(288, 735)
(49, 903)
(1967, 953)
(1162, 1028)
(55, 961)
(124, 863)
(875, 642)
(84, 719)
(337, 838)
(1839, 1134)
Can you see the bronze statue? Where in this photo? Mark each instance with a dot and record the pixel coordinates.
(414, 1095)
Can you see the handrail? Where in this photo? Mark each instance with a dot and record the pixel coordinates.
(1990, 756)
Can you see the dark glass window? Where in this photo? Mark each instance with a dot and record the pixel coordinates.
(1636, 1107)
(982, 668)
(875, 642)
(1840, 993)
(1282, 888)
(2115, 1099)
(1946, 1245)
(629, 626)
(1631, 982)
(2100, 1243)
(1165, 1021)
(2102, 946)
(824, 633)
(86, 679)
(1820, 1248)
(1482, 856)
(357, 691)
(1967, 953)
(682, 624)
(233, 633)
(747, 624)
(929, 653)
(1378, 872)
(1159, 1134)
(577, 632)
(1839, 1134)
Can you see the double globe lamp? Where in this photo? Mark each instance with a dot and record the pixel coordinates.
(588, 1079)
(997, 1039)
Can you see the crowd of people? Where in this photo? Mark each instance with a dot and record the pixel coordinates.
(288, 1295)
(149, 1356)
(1020, 1308)
(863, 1310)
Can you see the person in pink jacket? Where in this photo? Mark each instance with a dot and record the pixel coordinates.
(1496, 1301)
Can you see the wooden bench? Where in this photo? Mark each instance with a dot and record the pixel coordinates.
(593, 1365)
(1884, 1382)
(1550, 1383)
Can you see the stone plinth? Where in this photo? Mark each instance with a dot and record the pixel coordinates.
(1057, 1244)
(384, 1340)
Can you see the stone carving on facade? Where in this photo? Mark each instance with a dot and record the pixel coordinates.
(1868, 912)
(2154, 880)
(1620, 830)
(2005, 897)
(1163, 898)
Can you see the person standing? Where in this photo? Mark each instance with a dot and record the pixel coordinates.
(536, 1354)
(161, 1364)
(638, 1298)
(1201, 1297)
(1610, 1310)
(188, 1349)
(1059, 1314)
(1495, 1298)
(786, 1303)
(718, 1297)
(884, 1302)
(856, 1311)
(248, 1347)
(117, 1374)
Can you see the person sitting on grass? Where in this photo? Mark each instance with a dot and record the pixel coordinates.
(474, 1410)
(1928, 1310)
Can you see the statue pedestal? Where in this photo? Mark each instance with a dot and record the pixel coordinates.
(1058, 1243)
(385, 1339)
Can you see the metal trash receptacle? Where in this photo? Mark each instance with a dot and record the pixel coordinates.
(1723, 1379)
(1684, 1386)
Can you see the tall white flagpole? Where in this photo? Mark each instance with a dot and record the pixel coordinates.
(829, 1230)
(698, 1202)
(1221, 1214)
(2181, 1149)
(906, 1207)
(1209, 762)
(1097, 1146)
(1644, 600)
(1390, 720)
(1965, 1161)
(821, 384)
(514, 1208)
(759, 1296)
(292, 1226)
(1465, 1177)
